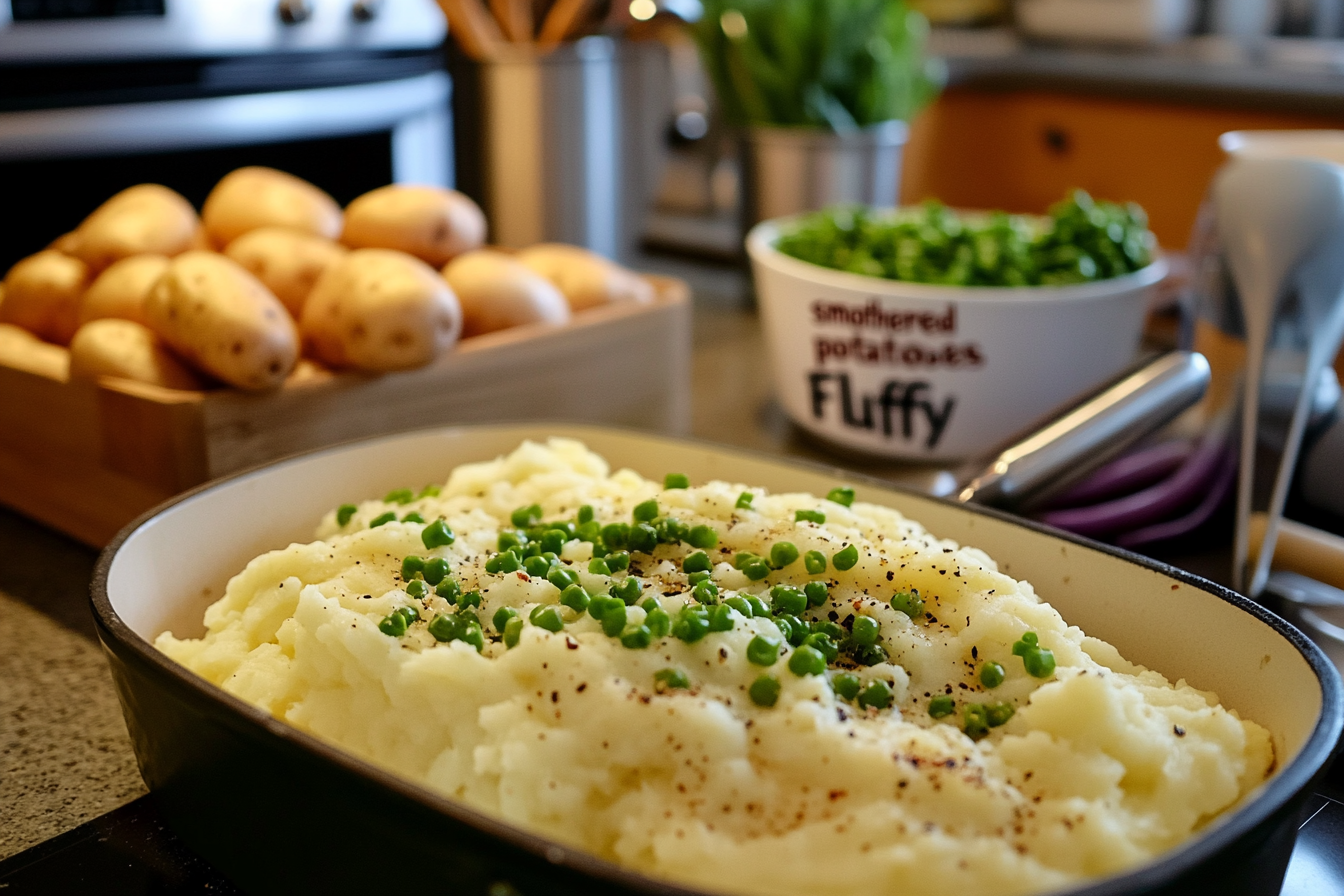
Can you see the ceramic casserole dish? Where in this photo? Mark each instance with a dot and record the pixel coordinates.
(278, 810)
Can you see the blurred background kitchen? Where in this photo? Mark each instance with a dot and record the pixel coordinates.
(656, 133)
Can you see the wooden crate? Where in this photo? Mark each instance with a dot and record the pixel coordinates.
(87, 459)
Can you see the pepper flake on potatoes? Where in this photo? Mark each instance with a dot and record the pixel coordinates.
(42, 294)
(251, 198)
(497, 292)
(380, 310)
(432, 223)
(289, 262)
(224, 321)
(121, 290)
(126, 349)
(147, 218)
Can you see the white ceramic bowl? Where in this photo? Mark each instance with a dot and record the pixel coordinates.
(927, 372)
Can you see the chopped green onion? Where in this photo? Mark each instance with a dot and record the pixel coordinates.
(393, 624)
(744, 501)
(866, 630)
(669, 680)
(846, 558)
(412, 566)
(807, 661)
(782, 553)
(814, 562)
(703, 537)
(842, 496)
(942, 705)
(809, 516)
(645, 511)
(382, 519)
(513, 630)
(877, 695)
(524, 517)
(909, 603)
(574, 597)
(991, 674)
(764, 691)
(676, 480)
(697, 562)
(547, 618)
(437, 534)
(344, 512)
(846, 685)
(417, 588)
(399, 496)
(763, 651)
(787, 599)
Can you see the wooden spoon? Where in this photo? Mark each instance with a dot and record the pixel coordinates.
(474, 28)
(563, 21)
(515, 18)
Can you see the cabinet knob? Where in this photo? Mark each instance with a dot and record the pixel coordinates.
(292, 12)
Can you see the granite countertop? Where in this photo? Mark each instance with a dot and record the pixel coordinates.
(1287, 74)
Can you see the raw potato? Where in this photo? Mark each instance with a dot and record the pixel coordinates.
(24, 351)
(148, 218)
(586, 278)
(497, 292)
(251, 198)
(124, 348)
(42, 294)
(224, 321)
(121, 290)
(287, 261)
(378, 310)
(431, 223)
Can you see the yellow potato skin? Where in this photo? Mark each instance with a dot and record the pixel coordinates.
(586, 278)
(121, 290)
(42, 295)
(24, 351)
(497, 292)
(380, 310)
(146, 218)
(123, 348)
(254, 197)
(289, 262)
(432, 223)
(223, 321)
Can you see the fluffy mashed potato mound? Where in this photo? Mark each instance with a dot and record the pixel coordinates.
(586, 685)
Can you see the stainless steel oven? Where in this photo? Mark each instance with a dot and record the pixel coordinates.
(96, 95)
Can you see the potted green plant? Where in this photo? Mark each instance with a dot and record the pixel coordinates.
(821, 91)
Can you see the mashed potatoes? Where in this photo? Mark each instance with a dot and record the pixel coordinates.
(745, 692)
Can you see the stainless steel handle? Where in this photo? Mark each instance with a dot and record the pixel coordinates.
(1089, 433)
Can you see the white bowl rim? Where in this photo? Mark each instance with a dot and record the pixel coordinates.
(761, 248)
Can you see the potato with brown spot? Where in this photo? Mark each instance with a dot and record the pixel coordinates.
(251, 198)
(586, 278)
(42, 295)
(497, 292)
(289, 262)
(380, 310)
(121, 290)
(432, 223)
(223, 321)
(123, 348)
(144, 219)
(24, 351)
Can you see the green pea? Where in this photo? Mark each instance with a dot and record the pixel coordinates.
(418, 588)
(823, 644)
(763, 651)
(757, 569)
(553, 540)
(744, 501)
(472, 634)
(974, 721)
(696, 578)
(618, 561)
(739, 604)
(562, 577)
(600, 604)
(502, 617)
(697, 562)
(613, 620)
(586, 514)
(782, 553)
(344, 512)
(868, 655)
(942, 705)
(537, 567)
(430, 491)
(809, 516)
(795, 630)
(676, 480)
(649, 604)
(412, 566)
(645, 511)
(382, 519)
(448, 589)
(411, 614)
(703, 537)
(909, 603)
(574, 597)
(706, 592)
(444, 627)
(866, 630)
(846, 558)
(842, 496)
(643, 538)
(758, 607)
(814, 562)
(998, 713)
(669, 680)
(399, 496)
(598, 567)
(829, 629)
(764, 691)
(504, 563)
(413, 517)
(1039, 663)
(846, 685)
(721, 619)
(816, 593)
(991, 674)
(547, 618)
(807, 661)
(524, 517)
(658, 622)
(628, 589)
(531, 549)
(470, 599)
(393, 624)
(589, 531)
(437, 534)
(513, 630)
(787, 599)
(742, 558)
(614, 536)
(877, 695)
(436, 569)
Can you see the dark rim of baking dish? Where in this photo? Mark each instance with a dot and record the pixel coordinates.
(1310, 762)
